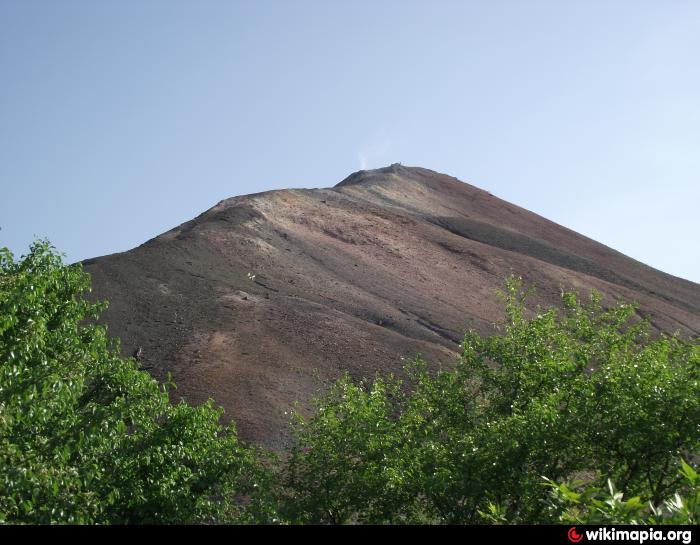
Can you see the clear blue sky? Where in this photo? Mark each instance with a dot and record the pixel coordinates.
(121, 119)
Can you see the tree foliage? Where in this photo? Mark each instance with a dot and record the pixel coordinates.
(85, 436)
(585, 392)
(578, 503)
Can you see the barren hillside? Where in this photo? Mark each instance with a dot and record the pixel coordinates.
(263, 297)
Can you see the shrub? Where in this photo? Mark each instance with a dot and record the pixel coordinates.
(585, 392)
(85, 436)
(580, 504)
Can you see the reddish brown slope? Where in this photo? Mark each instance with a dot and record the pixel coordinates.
(389, 263)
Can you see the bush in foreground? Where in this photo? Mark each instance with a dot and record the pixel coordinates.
(580, 504)
(85, 436)
(586, 393)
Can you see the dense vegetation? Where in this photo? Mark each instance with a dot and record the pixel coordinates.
(586, 395)
(85, 437)
(537, 423)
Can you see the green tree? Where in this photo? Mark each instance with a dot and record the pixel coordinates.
(85, 436)
(584, 391)
(578, 503)
(337, 471)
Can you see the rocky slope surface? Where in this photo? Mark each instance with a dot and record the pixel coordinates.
(262, 299)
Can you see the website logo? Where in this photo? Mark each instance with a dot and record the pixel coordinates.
(573, 535)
